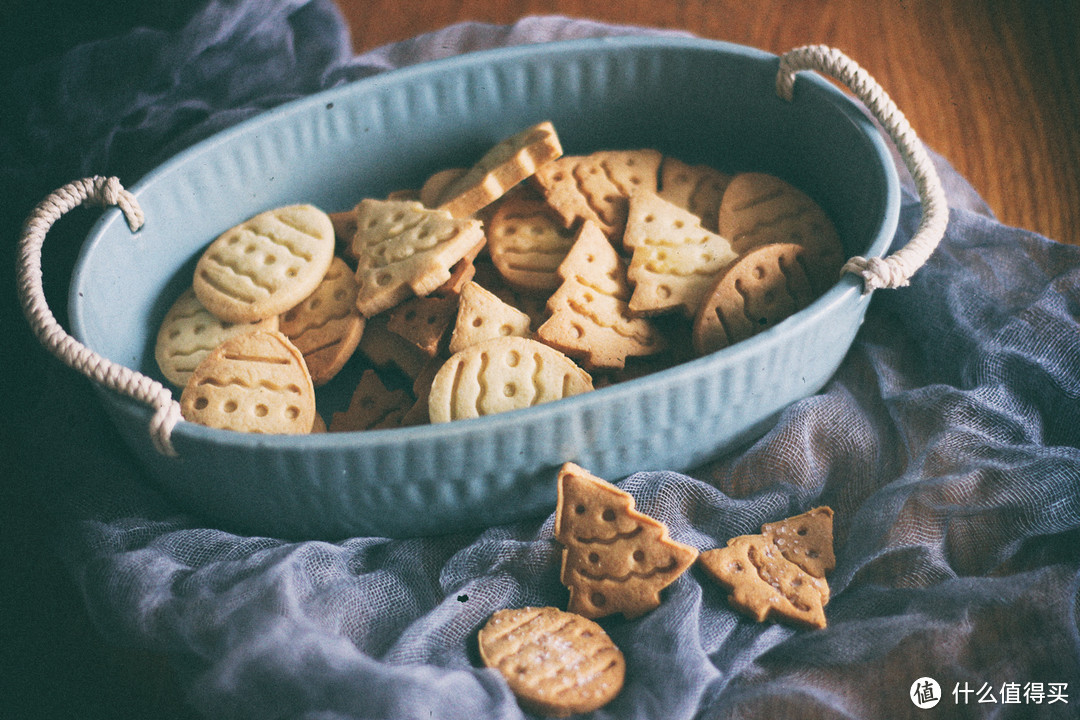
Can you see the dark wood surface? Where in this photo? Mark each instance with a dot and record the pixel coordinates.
(992, 85)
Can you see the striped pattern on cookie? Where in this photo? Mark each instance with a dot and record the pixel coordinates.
(697, 188)
(253, 382)
(527, 241)
(265, 265)
(189, 332)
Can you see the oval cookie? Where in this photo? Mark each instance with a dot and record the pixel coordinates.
(527, 241)
(254, 382)
(189, 332)
(556, 663)
(505, 373)
(265, 265)
(760, 289)
(327, 325)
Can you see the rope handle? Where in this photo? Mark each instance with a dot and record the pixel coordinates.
(895, 270)
(102, 192)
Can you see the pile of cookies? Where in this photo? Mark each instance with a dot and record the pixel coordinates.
(528, 277)
(616, 559)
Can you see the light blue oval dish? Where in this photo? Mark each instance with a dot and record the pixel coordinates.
(701, 101)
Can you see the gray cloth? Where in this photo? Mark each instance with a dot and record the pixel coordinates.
(947, 443)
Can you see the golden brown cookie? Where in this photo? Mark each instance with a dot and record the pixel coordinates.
(326, 327)
(675, 260)
(697, 188)
(481, 315)
(189, 332)
(384, 348)
(506, 373)
(252, 382)
(402, 249)
(556, 663)
(372, 406)
(806, 540)
(527, 241)
(424, 322)
(614, 558)
(763, 287)
(589, 316)
(501, 168)
(265, 265)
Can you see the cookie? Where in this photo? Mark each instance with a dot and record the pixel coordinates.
(431, 192)
(761, 209)
(675, 260)
(589, 315)
(424, 322)
(326, 327)
(253, 382)
(404, 249)
(806, 540)
(697, 188)
(461, 272)
(556, 663)
(598, 186)
(527, 241)
(764, 585)
(388, 349)
(501, 168)
(481, 315)
(265, 265)
(372, 406)
(189, 332)
(344, 224)
(763, 287)
(506, 373)
(614, 558)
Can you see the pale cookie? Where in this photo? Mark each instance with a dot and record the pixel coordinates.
(765, 286)
(326, 327)
(598, 186)
(614, 558)
(556, 663)
(697, 188)
(431, 192)
(265, 265)
(589, 316)
(507, 373)
(404, 249)
(481, 315)
(675, 260)
(501, 168)
(189, 332)
(253, 382)
(761, 209)
(527, 241)
(806, 540)
(763, 584)
(424, 322)
(372, 406)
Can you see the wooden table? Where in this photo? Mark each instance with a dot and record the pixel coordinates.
(992, 85)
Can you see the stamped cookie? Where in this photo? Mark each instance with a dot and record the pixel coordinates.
(481, 315)
(614, 558)
(252, 382)
(402, 249)
(326, 327)
(385, 348)
(556, 663)
(265, 265)
(189, 332)
(501, 168)
(507, 373)
(589, 316)
(697, 188)
(527, 241)
(761, 209)
(598, 186)
(424, 322)
(763, 584)
(806, 540)
(764, 286)
(675, 260)
(372, 406)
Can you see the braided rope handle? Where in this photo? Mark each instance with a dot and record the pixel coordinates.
(896, 269)
(103, 192)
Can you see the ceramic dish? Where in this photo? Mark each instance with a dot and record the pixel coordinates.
(701, 101)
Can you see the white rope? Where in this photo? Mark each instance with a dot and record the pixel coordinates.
(101, 192)
(896, 269)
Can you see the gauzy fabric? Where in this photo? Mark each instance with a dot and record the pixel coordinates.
(947, 444)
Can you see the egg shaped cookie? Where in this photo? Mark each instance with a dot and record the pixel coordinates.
(265, 265)
(255, 382)
(505, 373)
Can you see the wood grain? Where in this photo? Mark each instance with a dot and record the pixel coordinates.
(992, 85)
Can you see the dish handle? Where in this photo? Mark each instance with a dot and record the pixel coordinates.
(103, 192)
(895, 270)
